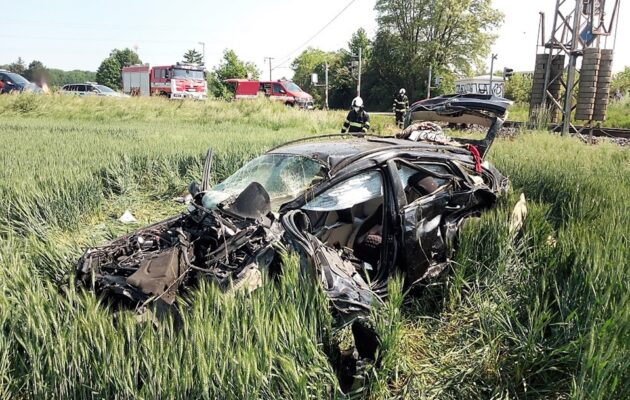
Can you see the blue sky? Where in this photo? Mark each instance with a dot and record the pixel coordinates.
(79, 34)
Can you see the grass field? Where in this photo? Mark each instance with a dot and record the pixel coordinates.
(541, 314)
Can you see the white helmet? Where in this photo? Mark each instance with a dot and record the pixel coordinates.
(357, 102)
(402, 91)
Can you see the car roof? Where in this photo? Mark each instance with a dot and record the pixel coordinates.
(334, 152)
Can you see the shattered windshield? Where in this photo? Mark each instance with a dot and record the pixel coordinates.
(283, 176)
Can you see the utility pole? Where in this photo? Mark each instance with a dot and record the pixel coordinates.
(494, 57)
(429, 83)
(326, 75)
(352, 64)
(570, 84)
(203, 50)
(270, 69)
(359, 81)
(314, 82)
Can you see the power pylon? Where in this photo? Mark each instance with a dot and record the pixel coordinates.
(577, 59)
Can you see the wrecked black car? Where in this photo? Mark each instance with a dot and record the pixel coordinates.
(357, 209)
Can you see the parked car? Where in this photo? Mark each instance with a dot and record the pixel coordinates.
(355, 208)
(12, 82)
(90, 89)
(282, 90)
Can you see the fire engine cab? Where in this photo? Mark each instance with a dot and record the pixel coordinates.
(177, 81)
(285, 91)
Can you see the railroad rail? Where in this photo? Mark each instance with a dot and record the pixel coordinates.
(598, 132)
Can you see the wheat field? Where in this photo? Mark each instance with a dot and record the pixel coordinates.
(541, 314)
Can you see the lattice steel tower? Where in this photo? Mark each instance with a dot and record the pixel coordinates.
(574, 66)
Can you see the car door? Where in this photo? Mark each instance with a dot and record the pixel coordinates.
(359, 202)
(440, 194)
(9, 85)
(80, 90)
(3, 83)
(428, 192)
(279, 93)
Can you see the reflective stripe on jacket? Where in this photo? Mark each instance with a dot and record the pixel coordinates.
(401, 103)
(356, 122)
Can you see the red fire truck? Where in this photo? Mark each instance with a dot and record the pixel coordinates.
(285, 91)
(177, 81)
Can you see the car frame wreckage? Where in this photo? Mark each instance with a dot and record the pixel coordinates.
(356, 209)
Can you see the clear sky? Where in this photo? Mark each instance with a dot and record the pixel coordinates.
(79, 34)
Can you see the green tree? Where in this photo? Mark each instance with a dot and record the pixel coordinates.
(109, 73)
(37, 72)
(60, 77)
(451, 36)
(519, 88)
(386, 73)
(347, 73)
(312, 61)
(360, 40)
(18, 66)
(342, 76)
(621, 82)
(192, 56)
(230, 66)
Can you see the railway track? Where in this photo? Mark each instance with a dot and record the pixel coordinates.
(598, 132)
(618, 133)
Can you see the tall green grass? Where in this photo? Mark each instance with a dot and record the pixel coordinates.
(544, 313)
(540, 314)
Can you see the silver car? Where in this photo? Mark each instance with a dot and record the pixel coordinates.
(90, 89)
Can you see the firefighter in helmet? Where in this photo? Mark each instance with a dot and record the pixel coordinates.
(358, 119)
(400, 107)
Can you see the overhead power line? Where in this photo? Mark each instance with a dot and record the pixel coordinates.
(286, 58)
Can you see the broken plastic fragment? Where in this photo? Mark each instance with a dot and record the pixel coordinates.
(518, 214)
(183, 199)
(127, 218)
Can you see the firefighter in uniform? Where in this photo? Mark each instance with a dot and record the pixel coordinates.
(358, 120)
(401, 105)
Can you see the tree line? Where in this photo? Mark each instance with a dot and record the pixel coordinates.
(451, 38)
(37, 72)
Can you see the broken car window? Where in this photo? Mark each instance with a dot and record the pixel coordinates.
(418, 183)
(358, 189)
(283, 176)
